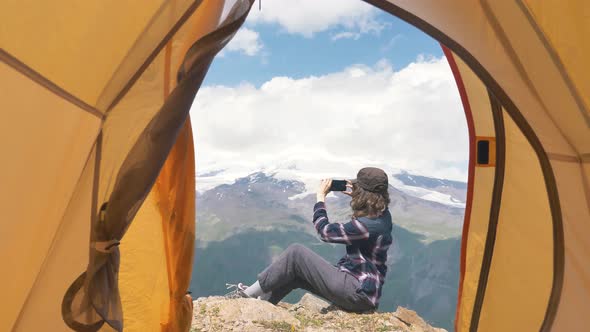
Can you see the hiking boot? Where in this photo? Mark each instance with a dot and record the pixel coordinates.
(238, 292)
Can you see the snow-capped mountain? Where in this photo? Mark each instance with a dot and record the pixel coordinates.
(447, 192)
(282, 199)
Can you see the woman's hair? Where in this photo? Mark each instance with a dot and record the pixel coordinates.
(366, 203)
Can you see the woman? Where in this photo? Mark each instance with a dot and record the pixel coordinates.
(356, 281)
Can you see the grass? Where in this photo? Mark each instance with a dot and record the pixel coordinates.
(276, 326)
(215, 311)
(308, 321)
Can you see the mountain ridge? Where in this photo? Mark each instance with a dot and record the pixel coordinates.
(263, 201)
(449, 192)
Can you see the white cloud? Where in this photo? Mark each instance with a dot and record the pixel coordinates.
(336, 123)
(306, 17)
(346, 35)
(392, 42)
(246, 41)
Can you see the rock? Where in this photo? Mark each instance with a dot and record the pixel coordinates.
(220, 314)
(310, 314)
(411, 319)
(312, 303)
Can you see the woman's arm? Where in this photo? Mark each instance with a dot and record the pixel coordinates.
(335, 232)
(323, 190)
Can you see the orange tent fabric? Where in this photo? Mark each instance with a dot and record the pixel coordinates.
(100, 107)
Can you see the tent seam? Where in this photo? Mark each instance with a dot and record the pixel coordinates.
(586, 185)
(41, 80)
(187, 14)
(129, 51)
(556, 61)
(496, 205)
(505, 42)
(564, 157)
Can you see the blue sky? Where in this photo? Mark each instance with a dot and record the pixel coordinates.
(325, 88)
(297, 56)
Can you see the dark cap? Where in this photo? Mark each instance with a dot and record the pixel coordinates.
(372, 179)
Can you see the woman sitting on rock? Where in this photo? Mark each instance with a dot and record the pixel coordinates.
(356, 281)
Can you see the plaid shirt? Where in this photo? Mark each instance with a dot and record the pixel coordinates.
(367, 241)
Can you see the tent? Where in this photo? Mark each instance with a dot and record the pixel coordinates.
(95, 96)
(98, 170)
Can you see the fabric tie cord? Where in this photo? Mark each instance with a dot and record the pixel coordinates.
(106, 247)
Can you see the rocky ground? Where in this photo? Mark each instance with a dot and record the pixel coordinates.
(311, 314)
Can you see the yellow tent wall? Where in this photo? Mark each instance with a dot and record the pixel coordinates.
(82, 84)
(523, 255)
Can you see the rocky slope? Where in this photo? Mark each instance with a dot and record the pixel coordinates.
(310, 314)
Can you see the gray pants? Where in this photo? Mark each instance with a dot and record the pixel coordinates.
(299, 267)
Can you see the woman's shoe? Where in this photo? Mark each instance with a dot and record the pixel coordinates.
(238, 292)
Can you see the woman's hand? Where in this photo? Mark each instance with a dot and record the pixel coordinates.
(348, 185)
(323, 189)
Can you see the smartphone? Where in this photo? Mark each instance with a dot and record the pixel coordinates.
(338, 185)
